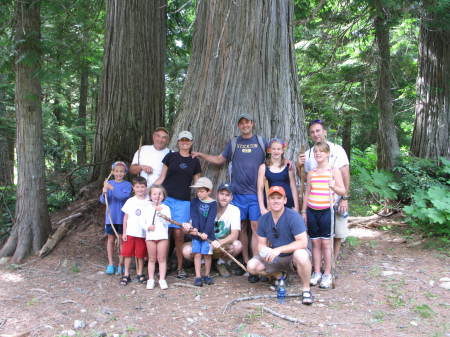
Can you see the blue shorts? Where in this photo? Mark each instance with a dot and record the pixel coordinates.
(110, 231)
(248, 205)
(318, 223)
(180, 210)
(201, 247)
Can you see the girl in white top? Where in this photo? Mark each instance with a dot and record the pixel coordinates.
(157, 236)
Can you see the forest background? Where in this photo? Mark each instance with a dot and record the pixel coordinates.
(377, 71)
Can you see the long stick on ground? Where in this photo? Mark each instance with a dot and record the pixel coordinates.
(220, 247)
(256, 297)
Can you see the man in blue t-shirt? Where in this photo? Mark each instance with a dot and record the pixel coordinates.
(244, 153)
(285, 230)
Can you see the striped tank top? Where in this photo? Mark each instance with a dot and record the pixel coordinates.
(319, 196)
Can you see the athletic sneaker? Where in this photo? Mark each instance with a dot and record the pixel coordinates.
(163, 284)
(151, 284)
(253, 278)
(326, 281)
(315, 278)
(110, 269)
(208, 280)
(198, 282)
(222, 269)
(181, 274)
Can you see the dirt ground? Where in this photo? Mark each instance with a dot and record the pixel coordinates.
(384, 288)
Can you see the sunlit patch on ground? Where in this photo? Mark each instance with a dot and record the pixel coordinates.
(364, 233)
(10, 277)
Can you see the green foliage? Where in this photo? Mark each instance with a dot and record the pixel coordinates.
(424, 311)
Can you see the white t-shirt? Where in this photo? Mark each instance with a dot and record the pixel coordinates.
(138, 213)
(229, 220)
(161, 231)
(338, 157)
(149, 156)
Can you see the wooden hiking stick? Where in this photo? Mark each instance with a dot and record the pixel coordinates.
(301, 173)
(209, 241)
(108, 211)
(139, 150)
(333, 265)
(266, 188)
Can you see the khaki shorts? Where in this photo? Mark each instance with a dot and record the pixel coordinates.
(280, 263)
(340, 227)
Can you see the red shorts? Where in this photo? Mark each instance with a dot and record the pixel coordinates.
(134, 247)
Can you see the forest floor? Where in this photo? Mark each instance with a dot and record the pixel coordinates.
(386, 286)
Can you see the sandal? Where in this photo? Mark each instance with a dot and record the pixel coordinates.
(307, 297)
(141, 278)
(125, 280)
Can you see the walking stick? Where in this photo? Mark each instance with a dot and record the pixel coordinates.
(333, 265)
(301, 173)
(266, 187)
(209, 241)
(108, 211)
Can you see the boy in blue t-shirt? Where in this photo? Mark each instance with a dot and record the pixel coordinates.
(203, 214)
(117, 191)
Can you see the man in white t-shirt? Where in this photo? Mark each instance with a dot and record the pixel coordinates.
(226, 230)
(148, 160)
(338, 159)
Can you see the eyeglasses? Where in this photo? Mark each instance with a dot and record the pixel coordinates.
(316, 121)
(275, 233)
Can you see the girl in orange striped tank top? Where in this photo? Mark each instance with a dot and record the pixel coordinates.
(322, 185)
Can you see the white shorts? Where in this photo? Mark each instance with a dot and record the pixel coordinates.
(340, 227)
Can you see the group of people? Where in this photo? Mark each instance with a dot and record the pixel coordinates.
(261, 201)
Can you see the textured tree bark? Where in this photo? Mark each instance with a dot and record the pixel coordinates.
(388, 149)
(6, 144)
(32, 225)
(84, 86)
(131, 100)
(431, 126)
(242, 61)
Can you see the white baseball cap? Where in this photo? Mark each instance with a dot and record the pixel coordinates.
(203, 182)
(185, 134)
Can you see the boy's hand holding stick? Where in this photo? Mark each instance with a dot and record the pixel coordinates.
(194, 231)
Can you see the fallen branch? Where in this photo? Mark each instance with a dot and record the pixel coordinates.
(257, 297)
(282, 316)
(54, 239)
(180, 284)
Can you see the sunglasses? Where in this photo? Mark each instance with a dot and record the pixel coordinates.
(275, 233)
(316, 121)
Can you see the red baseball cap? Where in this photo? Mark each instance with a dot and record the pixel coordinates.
(276, 189)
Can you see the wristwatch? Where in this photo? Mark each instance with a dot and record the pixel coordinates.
(346, 197)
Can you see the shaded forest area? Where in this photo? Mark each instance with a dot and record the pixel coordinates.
(82, 82)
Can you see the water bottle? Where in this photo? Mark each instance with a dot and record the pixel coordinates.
(281, 291)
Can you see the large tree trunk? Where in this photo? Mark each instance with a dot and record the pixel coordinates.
(242, 61)
(431, 127)
(32, 225)
(387, 146)
(131, 101)
(6, 142)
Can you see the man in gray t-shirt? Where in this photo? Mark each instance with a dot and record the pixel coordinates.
(245, 154)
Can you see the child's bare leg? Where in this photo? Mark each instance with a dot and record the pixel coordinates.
(326, 253)
(140, 266)
(110, 249)
(151, 249)
(127, 262)
(120, 251)
(161, 253)
(198, 265)
(179, 240)
(243, 237)
(317, 256)
(208, 262)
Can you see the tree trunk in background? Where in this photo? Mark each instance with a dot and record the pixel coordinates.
(431, 127)
(32, 225)
(84, 86)
(242, 61)
(347, 135)
(6, 142)
(131, 101)
(388, 150)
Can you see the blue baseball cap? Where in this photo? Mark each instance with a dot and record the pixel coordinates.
(225, 186)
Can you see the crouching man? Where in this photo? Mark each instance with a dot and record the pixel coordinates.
(285, 230)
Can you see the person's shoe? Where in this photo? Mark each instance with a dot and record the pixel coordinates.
(151, 284)
(120, 270)
(235, 269)
(263, 279)
(163, 284)
(223, 270)
(208, 280)
(253, 278)
(315, 278)
(110, 269)
(181, 274)
(326, 281)
(307, 297)
(198, 282)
